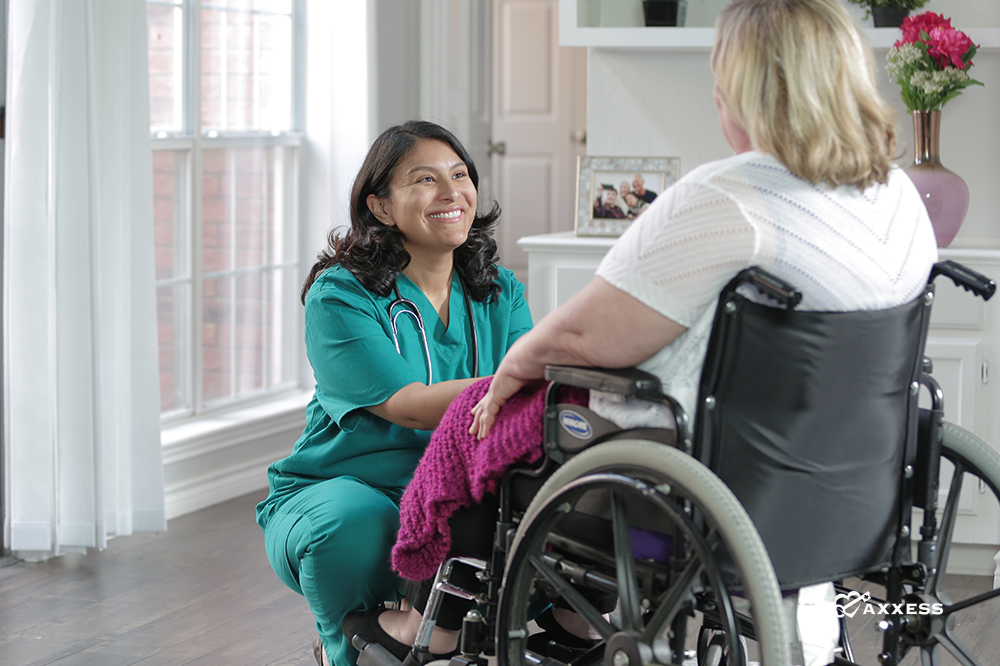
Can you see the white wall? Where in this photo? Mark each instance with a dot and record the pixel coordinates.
(648, 103)
(396, 64)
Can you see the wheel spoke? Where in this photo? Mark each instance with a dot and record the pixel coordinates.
(957, 649)
(930, 655)
(573, 597)
(670, 603)
(628, 594)
(972, 601)
(845, 640)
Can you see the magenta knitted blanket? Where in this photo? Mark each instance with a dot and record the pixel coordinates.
(457, 470)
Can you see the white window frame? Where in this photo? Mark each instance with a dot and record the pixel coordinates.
(187, 141)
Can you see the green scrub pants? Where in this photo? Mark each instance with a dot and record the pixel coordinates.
(331, 542)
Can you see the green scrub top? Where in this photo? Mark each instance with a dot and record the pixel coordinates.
(350, 346)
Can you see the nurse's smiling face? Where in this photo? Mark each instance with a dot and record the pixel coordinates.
(432, 199)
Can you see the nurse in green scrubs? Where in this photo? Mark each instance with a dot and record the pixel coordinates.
(417, 256)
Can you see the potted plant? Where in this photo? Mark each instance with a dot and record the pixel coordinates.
(889, 13)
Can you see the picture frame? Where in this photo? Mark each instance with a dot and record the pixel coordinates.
(598, 212)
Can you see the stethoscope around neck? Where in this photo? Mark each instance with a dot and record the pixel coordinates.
(404, 306)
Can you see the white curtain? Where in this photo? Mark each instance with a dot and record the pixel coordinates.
(81, 396)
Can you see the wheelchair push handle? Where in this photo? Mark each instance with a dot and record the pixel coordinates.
(965, 277)
(770, 285)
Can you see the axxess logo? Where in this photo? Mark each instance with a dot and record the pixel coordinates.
(849, 604)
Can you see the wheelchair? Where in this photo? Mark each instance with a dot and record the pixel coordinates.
(803, 463)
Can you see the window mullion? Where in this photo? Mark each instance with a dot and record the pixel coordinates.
(223, 120)
(197, 225)
(265, 337)
(257, 124)
(183, 244)
(233, 291)
(180, 57)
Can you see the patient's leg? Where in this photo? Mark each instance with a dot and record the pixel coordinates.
(472, 532)
(812, 614)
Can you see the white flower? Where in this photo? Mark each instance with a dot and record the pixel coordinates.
(901, 57)
(926, 81)
(951, 75)
(934, 83)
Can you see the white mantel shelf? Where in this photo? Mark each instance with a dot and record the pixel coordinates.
(700, 39)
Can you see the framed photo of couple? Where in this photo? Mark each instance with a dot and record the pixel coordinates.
(611, 192)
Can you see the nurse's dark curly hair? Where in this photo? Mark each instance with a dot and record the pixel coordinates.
(373, 252)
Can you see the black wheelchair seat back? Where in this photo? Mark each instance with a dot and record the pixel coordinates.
(811, 419)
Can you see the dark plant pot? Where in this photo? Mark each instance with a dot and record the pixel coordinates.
(664, 12)
(889, 17)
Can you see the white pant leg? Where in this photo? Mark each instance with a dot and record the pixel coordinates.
(814, 620)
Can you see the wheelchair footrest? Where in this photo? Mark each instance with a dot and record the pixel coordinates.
(373, 654)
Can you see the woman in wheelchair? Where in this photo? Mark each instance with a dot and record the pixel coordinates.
(811, 195)
(402, 312)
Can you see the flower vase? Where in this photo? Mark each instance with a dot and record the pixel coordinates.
(944, 193)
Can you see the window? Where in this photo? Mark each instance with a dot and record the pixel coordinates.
(225, 168)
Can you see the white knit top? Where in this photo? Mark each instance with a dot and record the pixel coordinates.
(844, 249)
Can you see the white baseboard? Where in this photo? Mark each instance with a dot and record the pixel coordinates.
(972, 559)
(212, 489)
(217, 459)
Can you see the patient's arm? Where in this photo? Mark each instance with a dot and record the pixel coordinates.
(600, 326)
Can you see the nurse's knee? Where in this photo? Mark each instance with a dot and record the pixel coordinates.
(357, 532)
(351, 519)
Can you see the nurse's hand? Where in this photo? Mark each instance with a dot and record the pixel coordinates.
(484, 413)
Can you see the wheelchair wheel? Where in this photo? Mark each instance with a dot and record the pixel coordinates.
(712, 651)
(650, 490)
(971, 458)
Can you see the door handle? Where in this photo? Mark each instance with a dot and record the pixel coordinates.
(498, 148)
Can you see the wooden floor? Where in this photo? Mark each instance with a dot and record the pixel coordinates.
(200, 593)
(203, 593)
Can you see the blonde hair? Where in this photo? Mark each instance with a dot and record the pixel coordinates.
(798, 77)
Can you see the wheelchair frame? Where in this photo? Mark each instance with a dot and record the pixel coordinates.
(667, 479)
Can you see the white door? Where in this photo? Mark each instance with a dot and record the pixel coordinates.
(539, 123)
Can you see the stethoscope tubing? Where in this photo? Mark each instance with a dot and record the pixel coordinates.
(408, 307)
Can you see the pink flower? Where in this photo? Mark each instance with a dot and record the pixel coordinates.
(947, 46)
(913, 25)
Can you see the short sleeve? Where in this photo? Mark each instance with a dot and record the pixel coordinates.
(680, 253)
(520, 315)
(353, 358)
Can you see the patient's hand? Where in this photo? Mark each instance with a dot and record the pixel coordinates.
(485, 411)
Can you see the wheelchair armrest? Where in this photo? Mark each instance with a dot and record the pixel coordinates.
(630, 382)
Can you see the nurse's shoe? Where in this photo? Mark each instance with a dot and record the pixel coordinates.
(365, 624)
(318, 651)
